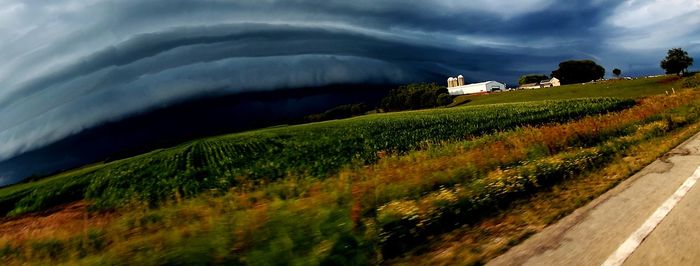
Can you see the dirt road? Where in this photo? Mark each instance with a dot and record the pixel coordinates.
(652, 218)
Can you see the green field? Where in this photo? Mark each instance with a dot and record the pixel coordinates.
(313, 150)
(316, 150)
(375, 189)
(612, 88)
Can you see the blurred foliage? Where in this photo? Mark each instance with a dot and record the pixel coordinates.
(617, 72)
(692, 80)
(416, 96)
(532, 78)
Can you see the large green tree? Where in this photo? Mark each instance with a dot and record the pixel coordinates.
(532, 78)
(578, 71)
(677, 61)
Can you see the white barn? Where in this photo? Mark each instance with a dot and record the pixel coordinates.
(488, 86)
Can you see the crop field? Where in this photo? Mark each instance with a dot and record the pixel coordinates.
(392, 188)
(306, 151)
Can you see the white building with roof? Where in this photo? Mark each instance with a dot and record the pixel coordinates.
(487, 86)
(547, 83)
(554, 82)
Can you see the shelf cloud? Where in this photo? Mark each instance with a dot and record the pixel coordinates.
(68, 65)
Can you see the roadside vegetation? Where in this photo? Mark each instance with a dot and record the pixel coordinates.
(384, 188)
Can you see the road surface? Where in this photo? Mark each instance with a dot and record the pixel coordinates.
(655, 213)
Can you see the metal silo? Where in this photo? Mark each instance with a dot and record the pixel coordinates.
(460, 80)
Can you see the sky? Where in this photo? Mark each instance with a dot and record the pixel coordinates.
(69, 65)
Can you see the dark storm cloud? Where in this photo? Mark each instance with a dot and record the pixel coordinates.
(73, 64)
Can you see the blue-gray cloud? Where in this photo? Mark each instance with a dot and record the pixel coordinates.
(68, 65)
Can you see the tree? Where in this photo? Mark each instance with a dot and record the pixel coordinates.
(676, 62)
(617, 72)
(532, 78)
(416, 96)
(578, 71)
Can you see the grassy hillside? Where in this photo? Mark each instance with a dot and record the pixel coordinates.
(612, 88)
(464, 183)
(313, 150)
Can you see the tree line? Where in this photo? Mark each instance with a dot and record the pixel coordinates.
(677, 62)
(429, 95)
(407, 97)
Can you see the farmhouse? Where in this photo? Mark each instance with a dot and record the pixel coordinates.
(530, 86)
(554, 82)
(456, 86)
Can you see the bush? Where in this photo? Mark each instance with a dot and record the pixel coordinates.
(444, 99)
(416, 96)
